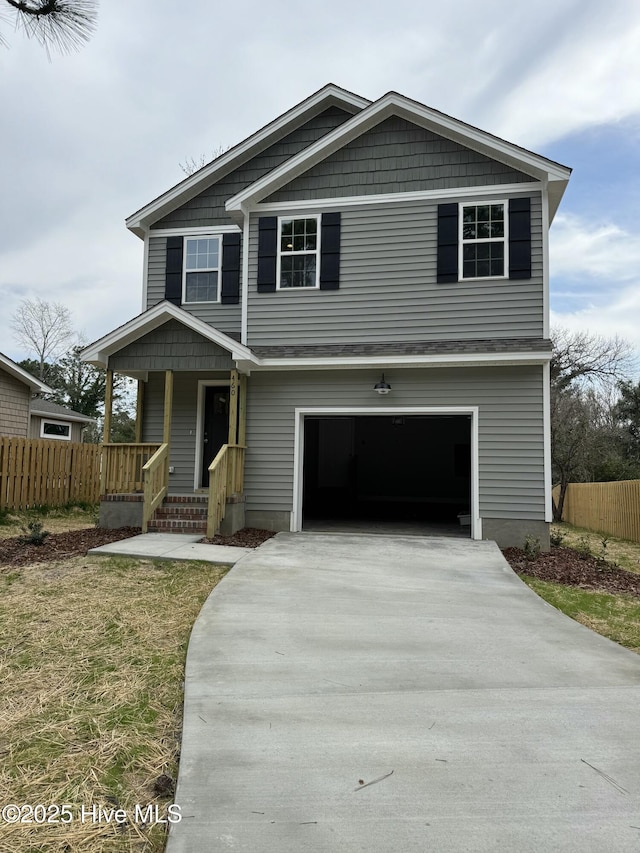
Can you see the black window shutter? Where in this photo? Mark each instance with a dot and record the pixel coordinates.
(447, 270)
(230, 294)
(173, 272)
(520, 238)
(267, 253)
(330, 252)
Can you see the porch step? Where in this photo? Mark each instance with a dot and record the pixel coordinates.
(181, 514)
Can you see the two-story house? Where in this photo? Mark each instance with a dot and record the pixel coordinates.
(358, 294)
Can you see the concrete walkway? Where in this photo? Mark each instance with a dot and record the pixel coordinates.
(172, 546)
(391, 695)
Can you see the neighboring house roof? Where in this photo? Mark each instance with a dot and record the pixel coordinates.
(23, 375)
(330, 95)
(394, 104)
(43, 408)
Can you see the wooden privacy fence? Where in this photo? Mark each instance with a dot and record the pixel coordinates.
(610, 508)
(38, 472)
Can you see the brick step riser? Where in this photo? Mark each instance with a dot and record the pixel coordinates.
(177, 501)
(181, 515)
(176, 527)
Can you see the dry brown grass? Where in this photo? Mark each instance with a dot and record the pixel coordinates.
(53, 520)
(91, 665)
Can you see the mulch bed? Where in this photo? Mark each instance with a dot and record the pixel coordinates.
(566, 566)
(59, 546)
(248, 537)
(76, 543)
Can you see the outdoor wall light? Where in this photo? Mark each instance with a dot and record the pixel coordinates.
(382, 387)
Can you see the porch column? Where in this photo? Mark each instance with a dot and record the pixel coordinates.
(168, 405)
(106, 435)
(242, 403)
(233, 408)
(108, 406)
(139, 403)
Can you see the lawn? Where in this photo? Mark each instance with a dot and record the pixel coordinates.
(591, 578)
(92, 654)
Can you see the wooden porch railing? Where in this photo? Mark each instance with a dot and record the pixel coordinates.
(122, 466)
(226, 477)
(156, 478)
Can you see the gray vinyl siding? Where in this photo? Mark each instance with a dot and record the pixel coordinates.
(397, 156)
(171, 346)
(511, 444)
(15, 401)
(184, 423)
(208, 207)
(388, 289)
(225, 318)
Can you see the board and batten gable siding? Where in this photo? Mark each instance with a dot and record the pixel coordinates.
(397, 156)
(184, 422)
(225, 318)
(207, 208)
(388, 289)
(171, 346)
(511, 441)
(15, 402)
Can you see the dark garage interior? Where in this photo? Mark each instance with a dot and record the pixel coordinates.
(388, 468)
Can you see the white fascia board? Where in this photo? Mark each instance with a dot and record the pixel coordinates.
(434, 360)
(393, 104)
(23, 375)
(64, 416)
(185, 231)
(99, 352)
(398, 198)
(326, 97)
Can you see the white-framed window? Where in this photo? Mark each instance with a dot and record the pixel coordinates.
(483, 240)
(298, 252)
(55, 429)
(202, 263)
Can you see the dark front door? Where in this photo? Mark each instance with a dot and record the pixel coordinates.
(215, 431)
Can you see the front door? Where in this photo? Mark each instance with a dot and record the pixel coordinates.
(215, 431)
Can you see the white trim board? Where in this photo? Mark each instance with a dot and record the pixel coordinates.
(462, 193)
(298, 449)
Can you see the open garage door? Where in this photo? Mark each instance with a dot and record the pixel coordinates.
(413, 469)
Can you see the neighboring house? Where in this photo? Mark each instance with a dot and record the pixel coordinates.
(50, 420)
(17, 386)
(371, 281)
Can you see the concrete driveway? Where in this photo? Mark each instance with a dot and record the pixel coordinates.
(379, 694)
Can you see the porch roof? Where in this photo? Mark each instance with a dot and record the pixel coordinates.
(99, 351)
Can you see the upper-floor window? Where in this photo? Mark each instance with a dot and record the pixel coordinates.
(298, 252)
(202, 257)
(483, 240)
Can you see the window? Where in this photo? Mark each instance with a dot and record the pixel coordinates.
(201, 269)
(55, 429)
(298, 252)
(483, 240)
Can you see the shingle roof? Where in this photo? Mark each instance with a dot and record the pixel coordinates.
(502, 345)
(45, 407)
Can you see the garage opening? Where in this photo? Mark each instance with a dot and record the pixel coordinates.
(410, 471)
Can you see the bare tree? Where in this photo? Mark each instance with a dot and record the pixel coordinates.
(44, 328)
(64, 25)
(588, 359)
(192, 165)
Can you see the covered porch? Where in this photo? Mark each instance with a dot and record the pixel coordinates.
(140, 472)
(190, 431)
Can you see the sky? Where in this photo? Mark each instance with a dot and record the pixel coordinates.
(89, 138)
